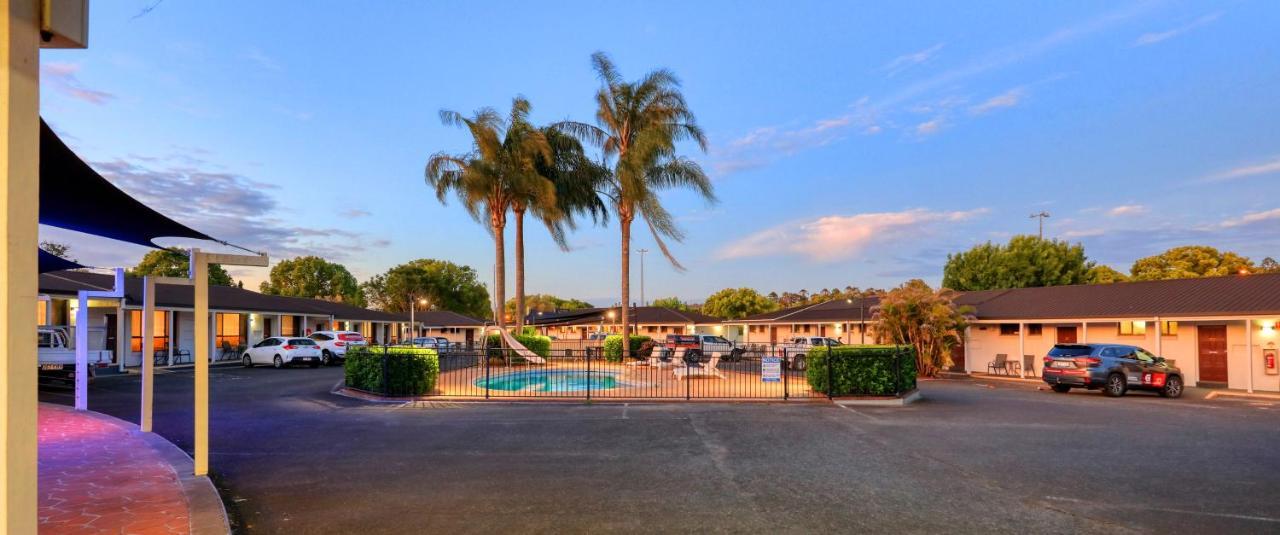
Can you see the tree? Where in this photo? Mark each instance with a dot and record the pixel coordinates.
(1189, 262)
(737, 303)
(174, 263)
(499, 168)
(1025, 262)
(1104, 274)
(637, 126)
(60, 250)
(929, 320)
(315, 277)
(445, 286)
(545, 303)
(673, 303)
(1269, 265)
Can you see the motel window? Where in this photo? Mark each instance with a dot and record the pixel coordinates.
(1133, 328)
(804, 328)
(42, 313)
(1008, 329)
(651, 329)
(1169, 328)
(288, 326)
(160, 330)
(228, 330)
(1034, 329)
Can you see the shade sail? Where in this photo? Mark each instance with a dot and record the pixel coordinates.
(50, 262)
(74, 196)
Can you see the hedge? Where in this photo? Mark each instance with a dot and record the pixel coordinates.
(537, 343)
(863, 370)
(410, 371)
(613, 346)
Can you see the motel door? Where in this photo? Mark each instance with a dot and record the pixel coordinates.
(1066, 335)
(1213, 353)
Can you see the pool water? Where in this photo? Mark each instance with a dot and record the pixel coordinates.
(551, 381)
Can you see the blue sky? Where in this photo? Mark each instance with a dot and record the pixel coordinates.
(851, 143)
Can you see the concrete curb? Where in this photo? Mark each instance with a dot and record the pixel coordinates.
(1256, 395)
(208, 516)
(907, 399)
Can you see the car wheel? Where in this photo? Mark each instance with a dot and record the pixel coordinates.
(800, 364)
(1115, 385)
(693, 357)
(278, 362)
(1061, 389)
(1172, 387)
(326, 357)
(736, 355)
(246, 361)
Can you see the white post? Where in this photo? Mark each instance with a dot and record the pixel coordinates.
(170, 317)
(203, 352)
(1248, 351)
(148, 339)
(82, 352)
(1159, 337)
(1022, 347)
(1084, 332)
(967, 357)
(124, 338)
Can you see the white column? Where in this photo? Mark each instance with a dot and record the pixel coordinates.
(82, 352)
(203, 352)
(1084, 332)
(1159, 337)
(123, 336)
(148, 362)
(1022, 347)
(967, 355)
(1248, 351)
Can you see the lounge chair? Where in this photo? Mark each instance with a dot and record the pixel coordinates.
(701, 370)
(1000, 364)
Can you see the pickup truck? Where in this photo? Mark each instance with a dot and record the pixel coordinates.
(795, 349)
(57, 360)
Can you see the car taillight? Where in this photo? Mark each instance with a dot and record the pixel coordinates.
(350, 337)
(290, 347)
(339, 344)
(1048, 360)
(1092, 362)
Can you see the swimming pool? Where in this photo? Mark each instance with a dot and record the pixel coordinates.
(551, 381)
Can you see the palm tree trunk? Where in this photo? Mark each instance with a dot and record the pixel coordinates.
(499, 272)
(519, 212)
(625, 223)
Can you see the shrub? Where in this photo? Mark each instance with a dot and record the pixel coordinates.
(536, 343)
(863, 370)
(410, 371)
(613, 346)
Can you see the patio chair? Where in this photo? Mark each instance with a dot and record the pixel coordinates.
(1029, 364)
(999, 365)
(160, 358)
(227, 350)
(701, 370)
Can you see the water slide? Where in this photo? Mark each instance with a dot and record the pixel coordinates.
(524, 352)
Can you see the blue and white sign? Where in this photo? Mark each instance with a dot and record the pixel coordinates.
(771, 369)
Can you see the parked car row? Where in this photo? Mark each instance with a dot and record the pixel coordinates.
(321, 347)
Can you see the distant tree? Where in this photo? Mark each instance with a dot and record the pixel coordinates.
(737, 303)
(1026, 261)
(1189, 262)
(60, 250)
(917, 315)
(174, 263)
(445, 286)
(545, 303)
(1104, 274)
(1269, 265)
(673, 303)
(312, 276)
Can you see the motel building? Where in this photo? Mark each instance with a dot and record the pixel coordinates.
(654, 322)
(239, 318)
(847, 320)
(459, 329)
(1220, 331)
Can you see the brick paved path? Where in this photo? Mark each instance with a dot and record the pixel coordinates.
(97, 476)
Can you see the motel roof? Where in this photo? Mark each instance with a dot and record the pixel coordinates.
(643, 316)
(834, 310)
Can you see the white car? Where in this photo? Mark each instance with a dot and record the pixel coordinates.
(281, 351)
(334, 344)
(795, 350)
(428, 342)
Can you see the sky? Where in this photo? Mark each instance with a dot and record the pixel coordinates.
(850, 143)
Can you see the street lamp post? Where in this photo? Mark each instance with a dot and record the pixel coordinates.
(413, 324)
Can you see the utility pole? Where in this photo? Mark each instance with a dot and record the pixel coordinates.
(642, 252)
(1042, 215)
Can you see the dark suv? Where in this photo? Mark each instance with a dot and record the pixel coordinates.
(1114, 368)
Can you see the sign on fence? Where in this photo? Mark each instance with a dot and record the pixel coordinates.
(771, 369)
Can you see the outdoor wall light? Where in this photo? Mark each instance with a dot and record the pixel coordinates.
(1269, 328)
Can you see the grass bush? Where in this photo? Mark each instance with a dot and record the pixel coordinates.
(862, 370)
(410, 371)
(536, 343)
(613, 346)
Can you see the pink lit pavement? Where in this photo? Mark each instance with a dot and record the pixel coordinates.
(99, 474)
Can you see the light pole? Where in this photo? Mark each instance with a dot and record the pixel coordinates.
(1042, 215)
(642, 252)
(862, 322)
(413, 324)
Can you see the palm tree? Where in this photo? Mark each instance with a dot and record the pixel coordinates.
(637, 126)
(498, 170)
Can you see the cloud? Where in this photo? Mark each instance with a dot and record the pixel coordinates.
(1264, 168)
(1127, 209)
(1008, 99)
(265, 61)
(906, 61)
(837, 237)
(61, 77)
(355, 213)
(1251, 218)
(1156, 37)
(764, 145)
(929, 127)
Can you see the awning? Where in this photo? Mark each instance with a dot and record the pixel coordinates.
(50, 262)
(74, 196)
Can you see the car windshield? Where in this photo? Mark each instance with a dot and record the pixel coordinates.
(1070, 351)
(301, 342)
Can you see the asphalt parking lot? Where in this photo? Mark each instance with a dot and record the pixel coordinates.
(290, 457)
